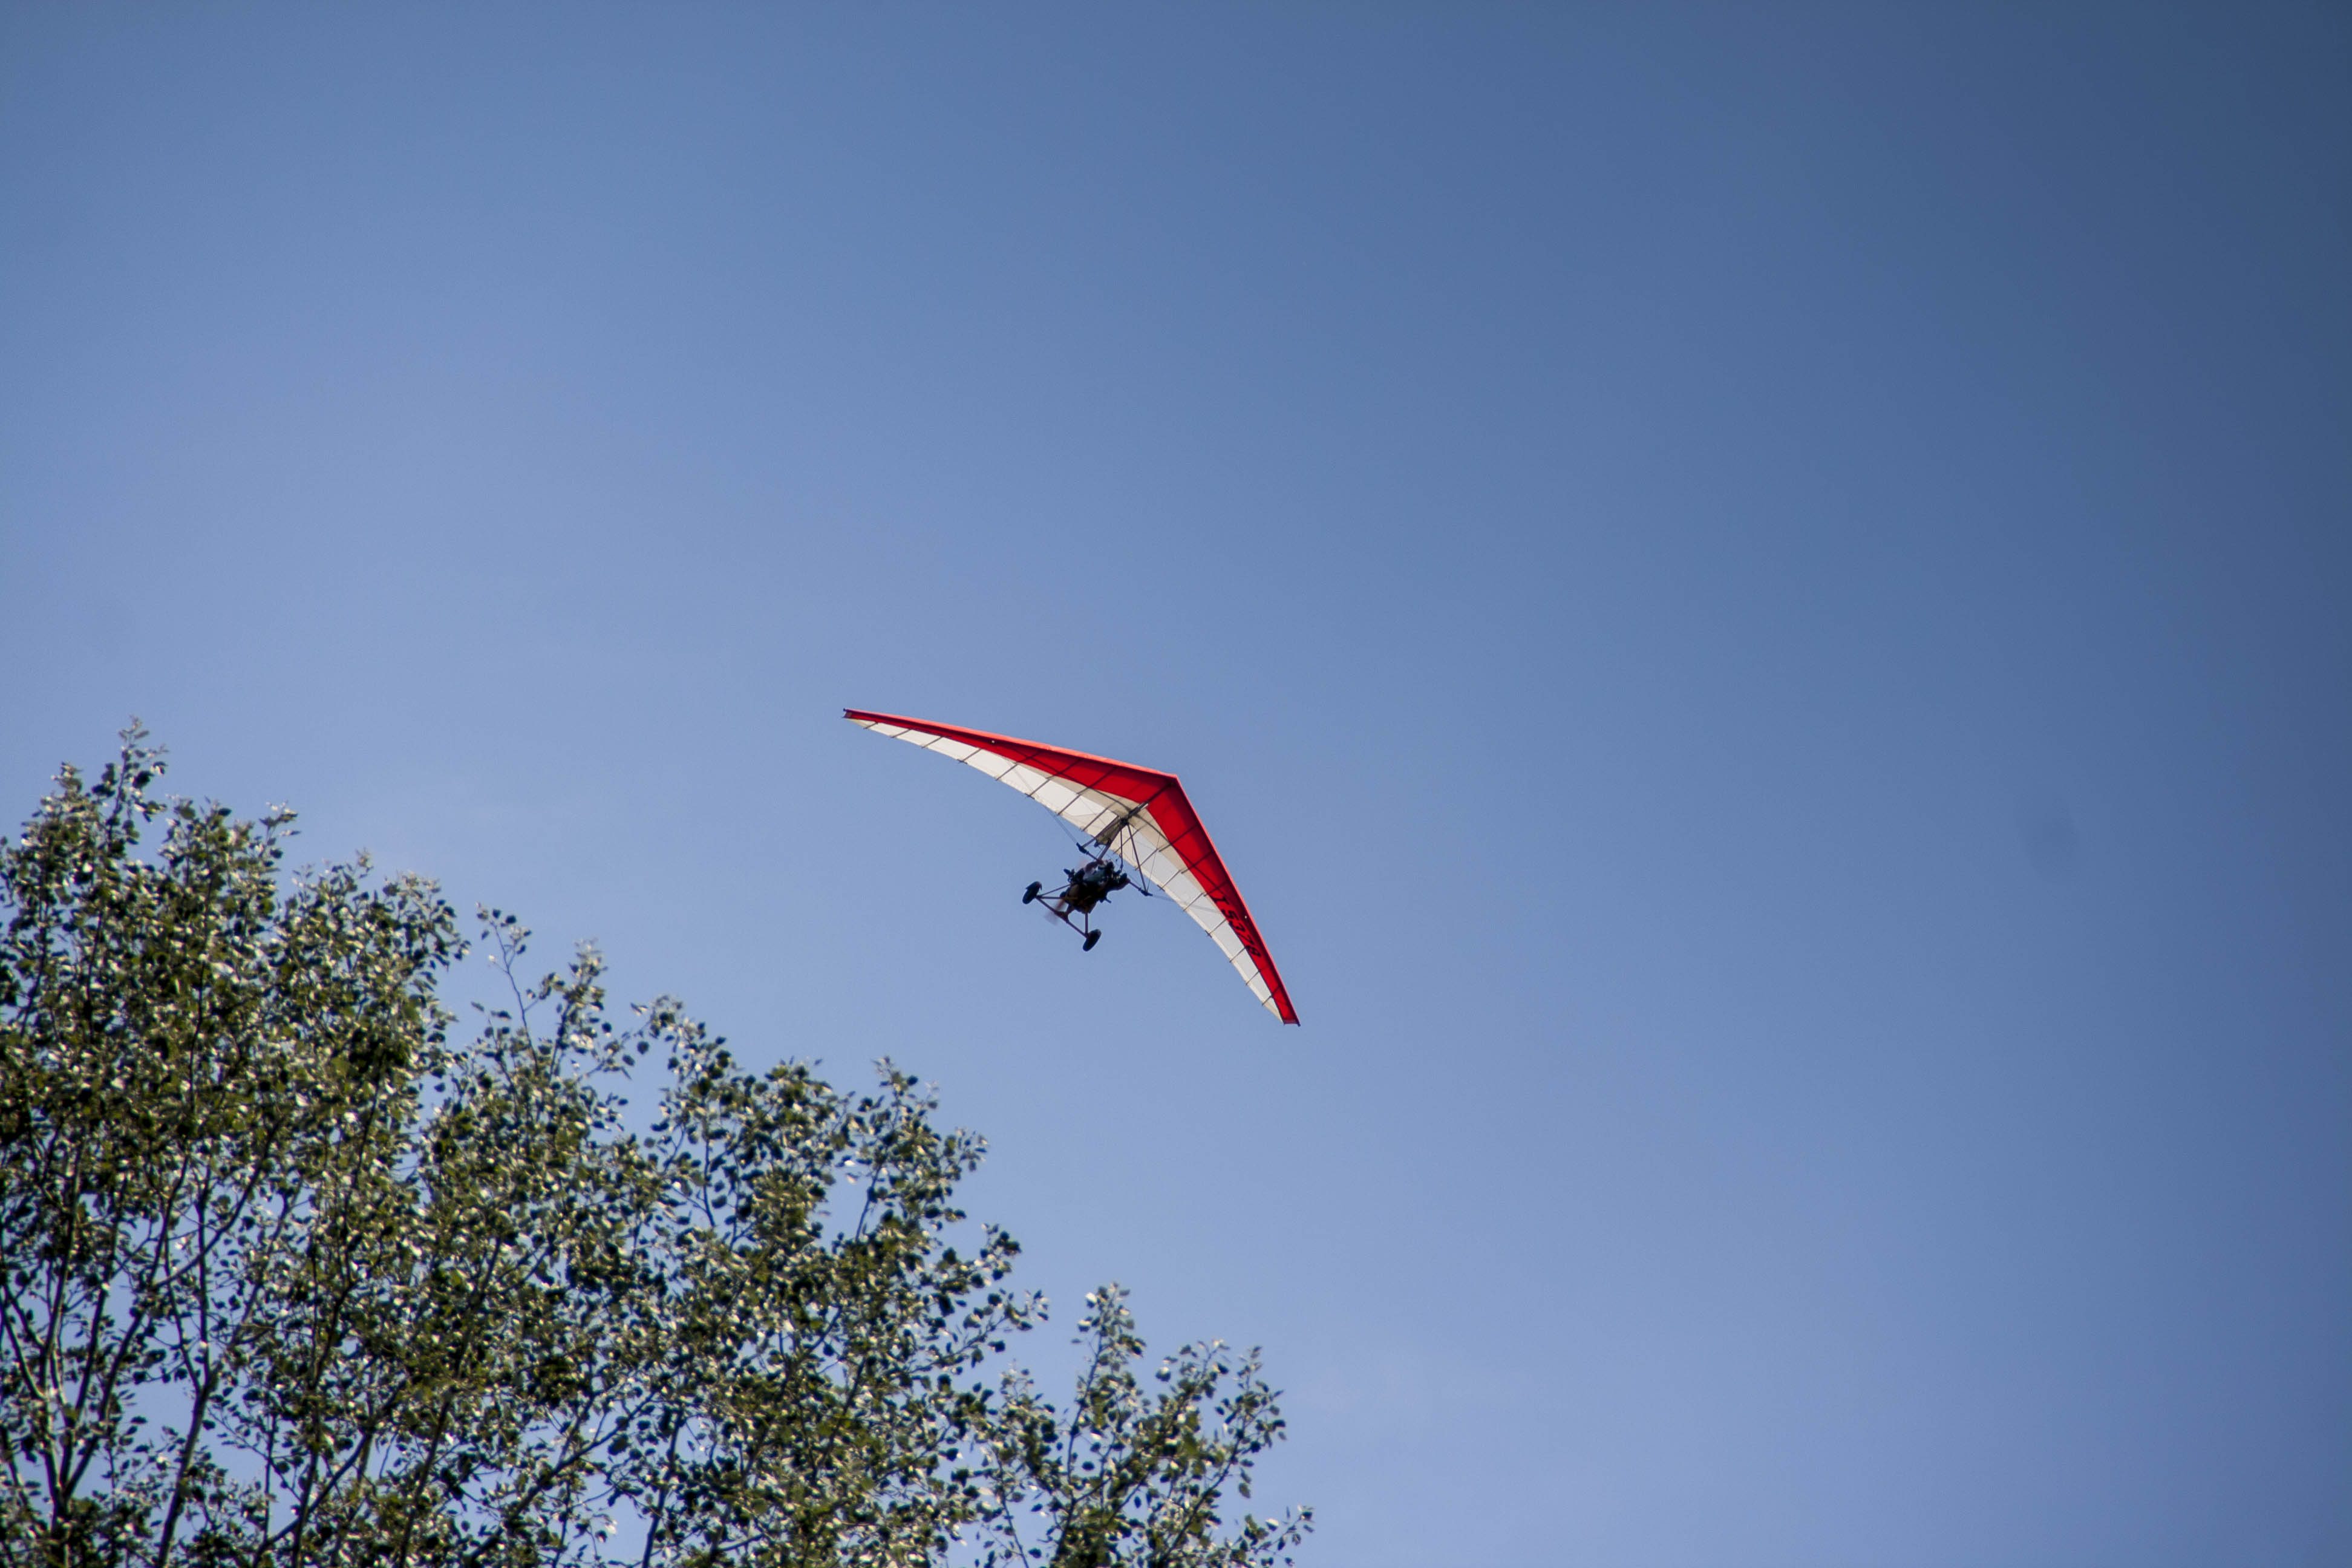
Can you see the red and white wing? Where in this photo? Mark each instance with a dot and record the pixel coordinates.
(1140, 814)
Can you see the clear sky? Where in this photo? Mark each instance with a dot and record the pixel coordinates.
(1759, 597)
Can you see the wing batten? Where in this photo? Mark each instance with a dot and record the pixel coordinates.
(1140, 814)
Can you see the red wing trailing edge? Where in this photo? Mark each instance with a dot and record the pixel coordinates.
(1139, 815)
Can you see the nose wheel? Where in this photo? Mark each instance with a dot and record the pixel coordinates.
(1092, 937)
(1031, 895)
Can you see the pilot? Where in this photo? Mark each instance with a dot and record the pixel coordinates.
(1092, 883)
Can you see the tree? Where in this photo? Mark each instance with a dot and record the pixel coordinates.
(297, 1275)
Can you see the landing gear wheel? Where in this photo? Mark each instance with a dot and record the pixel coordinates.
(1092, 937)
(1031, 895)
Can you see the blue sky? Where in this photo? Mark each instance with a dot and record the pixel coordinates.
(1759, 598)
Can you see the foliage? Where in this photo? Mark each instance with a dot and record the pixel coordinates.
(294, 1277)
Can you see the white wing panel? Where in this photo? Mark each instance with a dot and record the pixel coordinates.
(1087, 810)
(1145, 847)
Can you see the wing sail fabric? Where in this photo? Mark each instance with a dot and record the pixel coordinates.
(1138, 813)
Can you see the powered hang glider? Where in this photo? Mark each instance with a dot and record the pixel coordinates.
(1136, 819)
